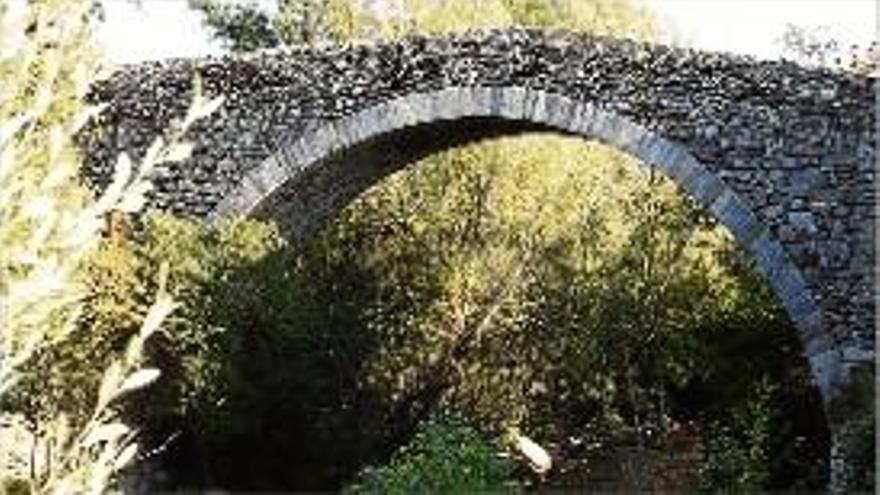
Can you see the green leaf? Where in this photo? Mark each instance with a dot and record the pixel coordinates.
(109, 384)
(139, 379)
(125, 457)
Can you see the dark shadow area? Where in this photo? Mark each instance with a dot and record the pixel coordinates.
(294, 411)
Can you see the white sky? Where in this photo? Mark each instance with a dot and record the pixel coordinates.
(157, 29)
(754, 26)
(167, 28)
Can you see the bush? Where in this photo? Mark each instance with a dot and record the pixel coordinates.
(50, 231)
(738, 445)
(444, 456)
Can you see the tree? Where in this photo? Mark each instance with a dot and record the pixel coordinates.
(242, 27)
(49, 228)
(245, 26)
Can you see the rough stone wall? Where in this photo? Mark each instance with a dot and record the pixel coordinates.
(795, 145)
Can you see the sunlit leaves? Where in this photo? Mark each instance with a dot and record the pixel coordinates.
(444, 456)
(247, 27)
(49, 229)
(139, 379)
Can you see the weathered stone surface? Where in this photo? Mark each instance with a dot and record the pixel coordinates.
(782, 155)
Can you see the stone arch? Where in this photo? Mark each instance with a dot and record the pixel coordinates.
(328, 163)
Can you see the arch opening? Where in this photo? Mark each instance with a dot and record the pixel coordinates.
(313, 176)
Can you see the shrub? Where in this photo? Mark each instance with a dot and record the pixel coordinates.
(738, 444)
(444, 456)
(49, 228)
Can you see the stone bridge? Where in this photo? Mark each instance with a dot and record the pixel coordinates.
(780, 154)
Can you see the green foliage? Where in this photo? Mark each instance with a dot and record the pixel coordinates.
(492, 298)
(444, 456)
(64, 379)
(50, 230)
(245, 26)
(206, 349)
(555, 249)
(202, 262)
(309, 21)
(242, 26)
(45, 226)
(739, 445)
